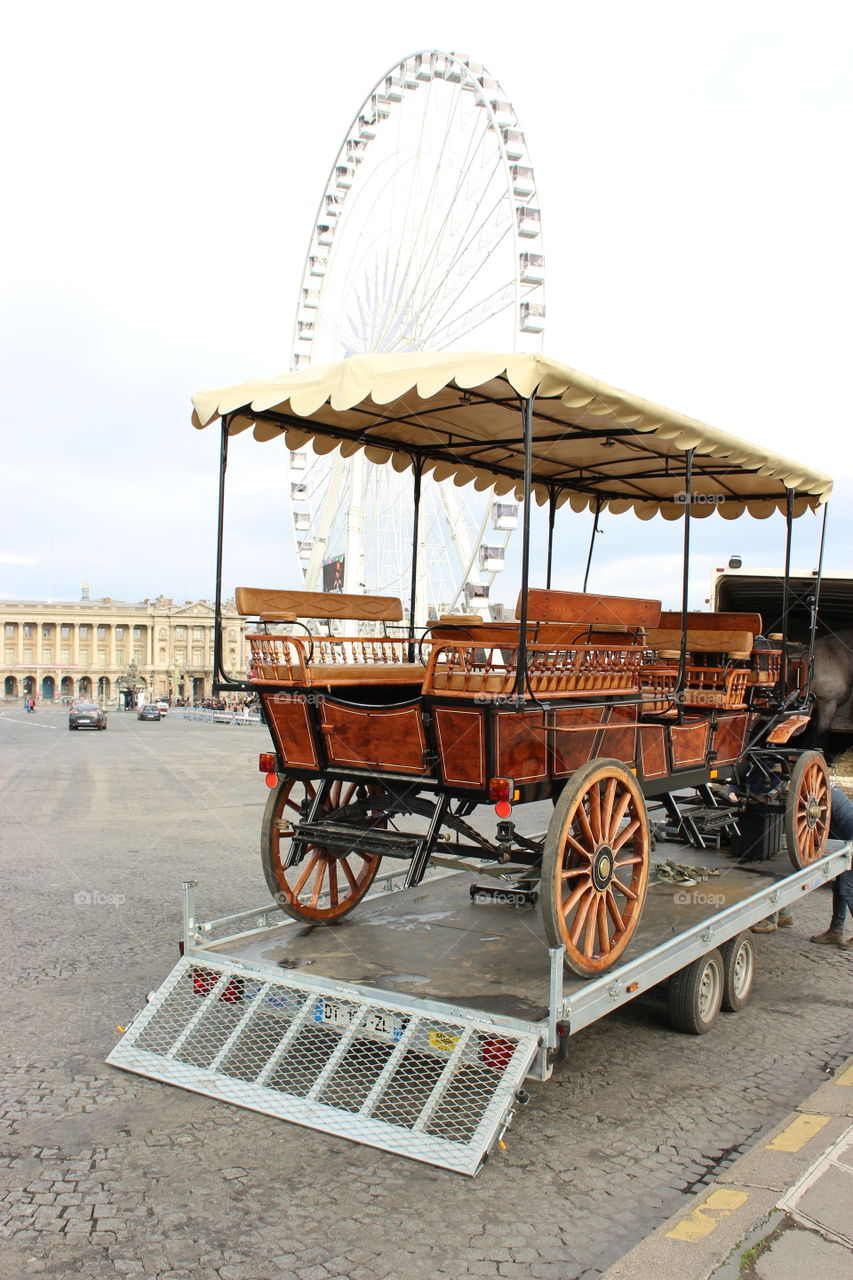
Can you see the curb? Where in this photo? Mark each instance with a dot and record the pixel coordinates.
(735, 1214)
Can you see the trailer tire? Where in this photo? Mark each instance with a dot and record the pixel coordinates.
(738, 972)
(695, 995)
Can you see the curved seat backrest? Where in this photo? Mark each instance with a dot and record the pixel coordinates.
(734, 643)
(581, 608)
(257, 602)
(713, 621)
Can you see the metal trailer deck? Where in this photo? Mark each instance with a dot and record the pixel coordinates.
(411, 1024)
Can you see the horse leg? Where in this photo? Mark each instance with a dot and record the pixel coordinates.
(818, 731)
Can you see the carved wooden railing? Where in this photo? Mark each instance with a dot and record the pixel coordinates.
(464, 669)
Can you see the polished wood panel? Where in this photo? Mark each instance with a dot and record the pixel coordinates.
(573, 736)
(689, 743)
(256, 601)
(729, 738)
(290, 723)
(521, 746)
(619, 740)
(653, 750)
(589, 609)
(391, 738)
(461, 739)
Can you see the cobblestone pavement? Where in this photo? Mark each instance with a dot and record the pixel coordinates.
(107, 1174)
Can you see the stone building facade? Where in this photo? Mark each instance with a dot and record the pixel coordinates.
(96, 648)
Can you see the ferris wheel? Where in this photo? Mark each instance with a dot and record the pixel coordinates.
(427, 237)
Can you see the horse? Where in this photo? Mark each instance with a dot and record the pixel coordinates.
(832, 682)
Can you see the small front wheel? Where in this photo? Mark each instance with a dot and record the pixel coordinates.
(325, 884)
(738, 972)
(595, 866)
(695, 995)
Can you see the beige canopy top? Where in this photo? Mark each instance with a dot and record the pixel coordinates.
(459, 413)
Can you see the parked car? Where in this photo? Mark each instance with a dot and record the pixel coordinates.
(87, 715)
(149, 712)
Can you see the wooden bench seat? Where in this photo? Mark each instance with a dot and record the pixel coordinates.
(329, 675)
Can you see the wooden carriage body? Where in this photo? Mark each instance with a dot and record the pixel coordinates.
(602, 677)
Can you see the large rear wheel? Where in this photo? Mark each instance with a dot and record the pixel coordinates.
(807, 809)
(325, 884)
(595, 866)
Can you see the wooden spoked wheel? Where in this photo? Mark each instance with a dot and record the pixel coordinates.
(595, 866)
(324, 884)
(807, 809)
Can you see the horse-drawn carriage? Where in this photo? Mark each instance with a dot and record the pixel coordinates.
(387, 737)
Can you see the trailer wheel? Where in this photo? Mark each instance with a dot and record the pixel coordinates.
(695, 995)
(738, 972)
(807, 809)
(595, 866)
(325, 884)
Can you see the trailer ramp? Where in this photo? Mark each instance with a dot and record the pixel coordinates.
(398, 1076)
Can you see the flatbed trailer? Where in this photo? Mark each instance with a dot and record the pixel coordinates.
(412, 1024)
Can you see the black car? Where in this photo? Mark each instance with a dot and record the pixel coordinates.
(87, 715)
(149, 712)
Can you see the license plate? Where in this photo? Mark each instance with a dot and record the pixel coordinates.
(378, 1024)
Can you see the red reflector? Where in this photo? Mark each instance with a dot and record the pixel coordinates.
(266, 762)
(203, 981)
(271, 780)
(496, 1052)
(503, 808)
(501, 789)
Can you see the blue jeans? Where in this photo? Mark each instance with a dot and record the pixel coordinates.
(841, 828)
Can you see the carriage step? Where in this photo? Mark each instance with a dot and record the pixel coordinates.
(393, 844)
(436, 1084)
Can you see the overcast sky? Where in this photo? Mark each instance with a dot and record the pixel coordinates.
(162, 168)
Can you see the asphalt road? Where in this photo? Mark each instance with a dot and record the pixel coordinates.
(107, 1174)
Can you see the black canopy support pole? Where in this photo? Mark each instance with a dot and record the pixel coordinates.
(786, 591)
(595, 530)
(816, 597)
(552, 512)
(419, 471)
(521, 667)
(218, 673)
(685, 575)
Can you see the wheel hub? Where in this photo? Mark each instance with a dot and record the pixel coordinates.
(812, 811)
(602, 867)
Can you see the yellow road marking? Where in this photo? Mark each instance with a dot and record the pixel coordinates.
(846, 1077)
(798, 1133)
(702, 1221)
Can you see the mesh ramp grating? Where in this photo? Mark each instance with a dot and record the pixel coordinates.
(409, 1080)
